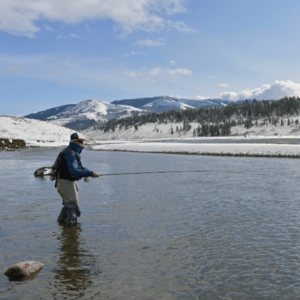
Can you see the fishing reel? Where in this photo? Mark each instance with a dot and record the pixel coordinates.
(86, 179)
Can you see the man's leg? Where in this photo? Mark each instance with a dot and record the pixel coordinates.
(69, 193)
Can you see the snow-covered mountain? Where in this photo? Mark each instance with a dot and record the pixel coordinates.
(95, 109)
(89, 113)
(43, 115)
(35, 132)
(164, 104)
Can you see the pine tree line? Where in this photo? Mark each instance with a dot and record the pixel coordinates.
(214, 121)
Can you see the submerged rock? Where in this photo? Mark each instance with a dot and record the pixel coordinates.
(45, 171)
(23, 269)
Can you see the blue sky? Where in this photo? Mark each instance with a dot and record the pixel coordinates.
(59, 52)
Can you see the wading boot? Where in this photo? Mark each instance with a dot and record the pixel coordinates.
(63, 215)
(72, 216)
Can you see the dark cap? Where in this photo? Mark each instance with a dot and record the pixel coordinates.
(77, 136)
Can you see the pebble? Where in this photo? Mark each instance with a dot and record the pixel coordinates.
(23, 269)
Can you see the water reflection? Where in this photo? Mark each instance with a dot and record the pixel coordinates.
(74, 273)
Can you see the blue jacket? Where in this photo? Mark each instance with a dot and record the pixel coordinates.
(73, 165)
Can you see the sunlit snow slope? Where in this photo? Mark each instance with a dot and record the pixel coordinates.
(164, 104)
(97, 110)
(34, 132)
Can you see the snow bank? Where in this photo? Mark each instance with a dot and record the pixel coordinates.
(275, 150)
(34, 132)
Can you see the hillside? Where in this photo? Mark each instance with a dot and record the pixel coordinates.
(257, 118)
(90, 113)
(164, 131)
(34, 132)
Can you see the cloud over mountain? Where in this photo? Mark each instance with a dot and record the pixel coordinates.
(276, 91)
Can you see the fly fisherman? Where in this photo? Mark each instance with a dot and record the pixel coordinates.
(70, 171)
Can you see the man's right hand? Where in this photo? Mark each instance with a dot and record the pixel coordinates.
(95, 175)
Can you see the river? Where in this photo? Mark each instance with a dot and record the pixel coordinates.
(231, 231)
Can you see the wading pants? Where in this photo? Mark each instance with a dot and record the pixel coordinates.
(69, 194)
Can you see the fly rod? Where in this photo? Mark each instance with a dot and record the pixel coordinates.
(157, 172)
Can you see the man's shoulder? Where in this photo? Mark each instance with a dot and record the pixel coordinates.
(68, 150)
(69, 153)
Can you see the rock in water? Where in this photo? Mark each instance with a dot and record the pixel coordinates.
(23, 269)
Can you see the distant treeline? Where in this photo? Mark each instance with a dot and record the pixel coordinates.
(214, 120)
(82, 124)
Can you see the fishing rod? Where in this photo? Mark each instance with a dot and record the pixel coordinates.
(87, 179)
(165, 172)
(157, 172)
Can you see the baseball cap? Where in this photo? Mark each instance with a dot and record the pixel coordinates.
(77, 136)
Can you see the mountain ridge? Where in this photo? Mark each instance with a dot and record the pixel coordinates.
(93, 112)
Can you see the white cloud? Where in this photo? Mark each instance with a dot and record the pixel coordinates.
(222, 85)
(173, 73)
(88, 28)
(48, 28)
(268, 92)
(179, 72)
(150, 80)
(134, 53)
(21, 17)
(149, 43)
(130, 74)
(155, 71)
(74, 36)
(172, 62)
(58, 37)
(181, 26)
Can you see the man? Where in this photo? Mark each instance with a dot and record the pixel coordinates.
(70, 171)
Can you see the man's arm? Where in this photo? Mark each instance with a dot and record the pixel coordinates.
(73, 167)
(94, 173)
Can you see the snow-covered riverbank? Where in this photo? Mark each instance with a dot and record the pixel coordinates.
(267, 150)
(34, 132)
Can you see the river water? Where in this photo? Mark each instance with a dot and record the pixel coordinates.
(231, 232)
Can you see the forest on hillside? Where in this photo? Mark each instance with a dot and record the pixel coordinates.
(215, 121)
